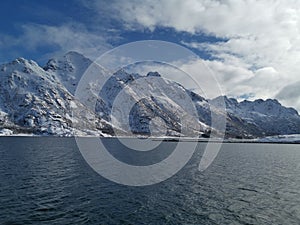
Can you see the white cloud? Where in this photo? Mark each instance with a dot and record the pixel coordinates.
(290, 95)
(66, 37)
(234, 80)
(261, 56)
(230, 18)
(262, 52)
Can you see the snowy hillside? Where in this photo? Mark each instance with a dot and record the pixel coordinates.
(264, 118)
(68, 69)
(40, 100)
(155, 97)
(33, 100)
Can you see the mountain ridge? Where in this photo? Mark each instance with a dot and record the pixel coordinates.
(40, 100)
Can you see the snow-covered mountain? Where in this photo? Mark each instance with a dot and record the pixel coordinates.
(263, 117)
(154, 97)
(33, 100)
(68, 69)
(40, 100)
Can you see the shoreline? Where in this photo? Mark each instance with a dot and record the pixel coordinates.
(168, 139)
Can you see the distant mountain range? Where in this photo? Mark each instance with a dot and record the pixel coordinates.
(40, 101)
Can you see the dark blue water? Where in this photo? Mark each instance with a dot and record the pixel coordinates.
(46, 181)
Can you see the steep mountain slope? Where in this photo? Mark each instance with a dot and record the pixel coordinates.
(34, 101)
(153, 97)
(68, 69)
(41, 101)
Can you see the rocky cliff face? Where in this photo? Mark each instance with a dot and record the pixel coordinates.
(34, 101)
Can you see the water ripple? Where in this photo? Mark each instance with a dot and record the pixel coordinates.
(46, 181)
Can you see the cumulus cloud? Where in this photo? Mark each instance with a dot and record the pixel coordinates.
(230, 18)
(261, 54)
(235, 81)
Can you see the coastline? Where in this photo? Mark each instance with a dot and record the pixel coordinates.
(286, 139)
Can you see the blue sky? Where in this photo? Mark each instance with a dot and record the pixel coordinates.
(251, 46)
(19, 18)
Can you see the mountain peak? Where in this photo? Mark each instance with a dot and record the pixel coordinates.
(228, 101)
(125, 76)
(21, 65)
(69, 68)
(23, 61)
(20, 60)
(66, 60)
(73, 56)
(153, 74)
(121, 71)
(28, 91)
(74, 53)
(273, 101)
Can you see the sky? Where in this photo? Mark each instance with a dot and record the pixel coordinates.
(251, 46)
